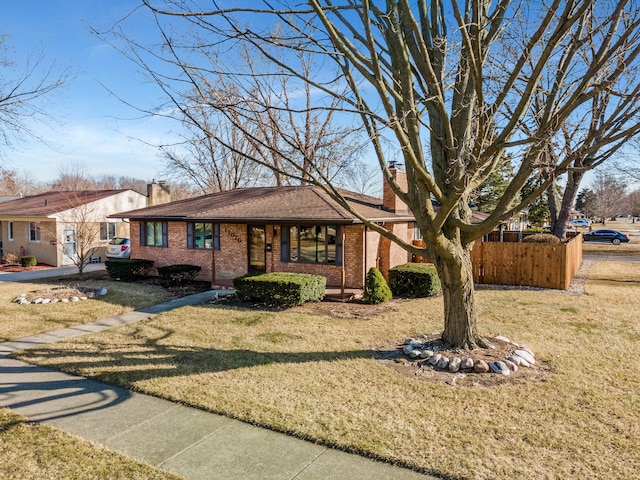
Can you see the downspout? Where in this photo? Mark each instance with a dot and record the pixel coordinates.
(342, 272)
(213, 258)
(366, 254)
(273, 244)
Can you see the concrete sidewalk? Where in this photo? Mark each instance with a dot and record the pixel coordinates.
(183, 440)
(48, 272)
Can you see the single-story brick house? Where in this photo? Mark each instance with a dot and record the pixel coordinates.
(265, 229)
(46, 225)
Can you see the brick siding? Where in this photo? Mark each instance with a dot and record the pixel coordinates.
(232, 259)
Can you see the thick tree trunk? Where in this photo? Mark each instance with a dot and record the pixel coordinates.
(456, 275)
(568, 199)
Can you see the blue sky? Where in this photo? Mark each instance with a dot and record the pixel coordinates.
(90, 127)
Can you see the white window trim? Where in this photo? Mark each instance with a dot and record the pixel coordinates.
(10, 231)
(39, 230)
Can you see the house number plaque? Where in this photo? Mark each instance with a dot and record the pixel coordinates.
(233, 235)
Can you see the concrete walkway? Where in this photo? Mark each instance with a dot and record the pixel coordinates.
(47, 272)
(183, 440)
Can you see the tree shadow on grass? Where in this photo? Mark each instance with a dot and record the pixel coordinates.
(126, 364)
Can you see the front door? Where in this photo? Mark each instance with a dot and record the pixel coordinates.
(69, 253)
(257, 249)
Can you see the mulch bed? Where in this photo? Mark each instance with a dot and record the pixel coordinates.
(15, 268)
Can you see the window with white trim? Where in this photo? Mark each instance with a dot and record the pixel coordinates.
(108, 230)
(35, 235)
(10, 231)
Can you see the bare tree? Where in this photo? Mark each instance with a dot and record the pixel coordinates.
(609, 198)
(72, 177)
(360, 177)
(15, 183)
(23, 87)
(451, 84)
(203, 159)
(113, 182)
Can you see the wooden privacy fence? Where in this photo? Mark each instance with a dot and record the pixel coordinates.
(527, 264)
(531, 264)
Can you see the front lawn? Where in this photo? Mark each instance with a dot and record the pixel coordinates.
(310, 371)
(24, 320)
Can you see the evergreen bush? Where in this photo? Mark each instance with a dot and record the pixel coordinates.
(178, 274)
(28, 261)
(128, 269)
(414, 280)
(281, 288)
(376, 289)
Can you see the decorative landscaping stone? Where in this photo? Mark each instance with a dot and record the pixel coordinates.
(484, 343)
(427, 353)
(434, 352)
(528, 350)
(515, 359)
(499, 367)
(454, 364)
(480, 366)
(45, 301)
(65, 300)
(521, 362)
(512, 366)
(435, 359)
(526, 356)
(443, 363)
(75, 299)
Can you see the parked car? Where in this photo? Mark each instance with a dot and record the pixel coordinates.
(118, 247)
(580, 222)
(602, 235)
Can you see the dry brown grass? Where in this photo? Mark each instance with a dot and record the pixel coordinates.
(29, 451)
(24, 320)
(314, 376)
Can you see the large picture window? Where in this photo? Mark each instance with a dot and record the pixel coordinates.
(108, 230)
(311, 244)
(154, 234)
(34, 232)
(203, 235)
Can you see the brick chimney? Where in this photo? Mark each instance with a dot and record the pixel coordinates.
(158, 193)
(390, 200)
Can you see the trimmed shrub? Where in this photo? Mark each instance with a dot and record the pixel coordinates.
(376, 289)
(128, 269)
(178, 274)
(28, 261)
(541, 238)
(414, 280)
(281, 288)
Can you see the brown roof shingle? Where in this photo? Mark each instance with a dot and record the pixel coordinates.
(50, 203)
(269, 204)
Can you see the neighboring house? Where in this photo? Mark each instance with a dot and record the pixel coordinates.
(286, 229)
(46, 225)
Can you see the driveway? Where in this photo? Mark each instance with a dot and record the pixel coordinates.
(48, 272)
